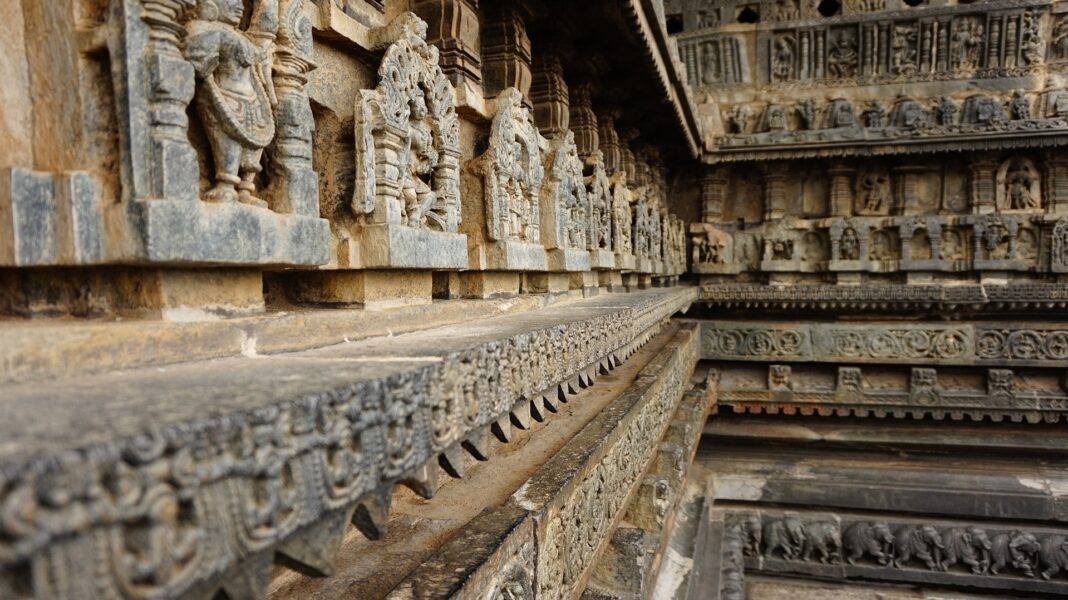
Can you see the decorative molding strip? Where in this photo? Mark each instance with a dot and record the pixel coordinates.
(994, 344)
(882, 392)
(995, 556)
(229, 462)
(570, 507)
(974, 297)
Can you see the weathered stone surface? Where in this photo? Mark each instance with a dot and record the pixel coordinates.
(586, 485)
(299, 416)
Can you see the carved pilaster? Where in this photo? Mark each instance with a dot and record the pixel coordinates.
(608, 142)
(841, 190)
(774, 192)
(983, 185)
(505, 50)
(713, 195)
(549, 94)
(452, 26)
(908, 199)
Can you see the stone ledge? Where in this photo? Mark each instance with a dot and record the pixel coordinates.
(80, 348)
(198, 472)
(571, 505)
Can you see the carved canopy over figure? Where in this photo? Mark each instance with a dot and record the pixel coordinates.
(408, 135)
(512, 172)
(234, 95)
(566, 202)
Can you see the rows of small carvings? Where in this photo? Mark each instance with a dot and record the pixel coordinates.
(963, 43)
(1012, 241)
(1021, 557)
(992, 140)
(884, 342)
(579, 524)
(186, 501)
(891, 400)
(1053, 294)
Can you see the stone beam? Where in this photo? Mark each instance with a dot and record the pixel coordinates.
(196, 477)
(546, 539)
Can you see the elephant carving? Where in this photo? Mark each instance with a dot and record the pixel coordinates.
(825, 538)
(923, 543)
(872, 539)
(1017, 549)
(786, 535)
(1053, 554)
(967, 545)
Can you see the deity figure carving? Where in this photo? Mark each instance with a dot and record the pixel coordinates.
(599, 191)
(967, 43)
(1059, 39)
(882, 246)
(849, 248)
(738, 119)
(1020, 183)
(234, 95)
(874, 115)
(809, 113)
(875, 194)
(621, 213)
(565, 209)
(783, 57)
(408, 135)
(1032, 46)
(1059, 249)
(903, 55)
(787, 10)
(1021, 106)
(513, 172)
(947, 111)
(842, 58)
(711, 67)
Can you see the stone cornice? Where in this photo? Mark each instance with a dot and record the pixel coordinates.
(180, 478)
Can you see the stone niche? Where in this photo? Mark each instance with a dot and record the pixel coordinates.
(163, 147)
(400, 221)
(506, 233)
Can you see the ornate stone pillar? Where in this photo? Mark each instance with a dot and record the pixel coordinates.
(841, 190)
(983, 185)
(549, 94)
(452, 26)
(583, 121)
(713, 194)
(505, 49)
(775, 178)
(608, 141)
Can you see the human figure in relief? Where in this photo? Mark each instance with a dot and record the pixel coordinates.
(419, 197)
(235, 95)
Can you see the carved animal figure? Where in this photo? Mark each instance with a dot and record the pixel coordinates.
(923, 543)
(786, 535)
(1053, 555)
(873, 539)
(1018, 549)
(825, 538)
(970, 546)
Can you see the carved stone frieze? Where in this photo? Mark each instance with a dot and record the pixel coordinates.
(993, 556)
(170, 506)
(965, 343)
(565, 207)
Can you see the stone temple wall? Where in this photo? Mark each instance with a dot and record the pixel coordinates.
(880, 254)
(341, 298)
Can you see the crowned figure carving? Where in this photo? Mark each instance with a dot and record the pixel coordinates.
(512, 172)
(565, 205)
(408, 135)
